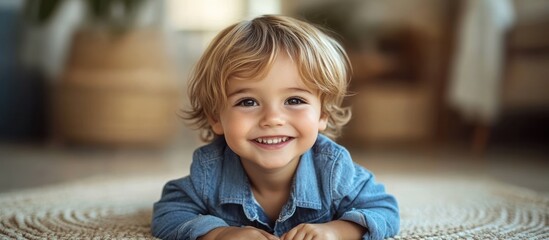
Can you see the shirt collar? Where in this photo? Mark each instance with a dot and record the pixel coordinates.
(306, 192)
(235, 187)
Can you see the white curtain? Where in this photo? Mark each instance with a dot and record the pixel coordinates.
(477, 66)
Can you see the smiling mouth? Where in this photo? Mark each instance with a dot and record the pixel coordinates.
(272, 140)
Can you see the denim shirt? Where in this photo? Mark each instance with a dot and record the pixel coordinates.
(327, 186)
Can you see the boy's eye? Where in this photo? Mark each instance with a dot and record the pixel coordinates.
(247, 103)
(295, 101)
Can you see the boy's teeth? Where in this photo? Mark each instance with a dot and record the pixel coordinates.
(271, 140)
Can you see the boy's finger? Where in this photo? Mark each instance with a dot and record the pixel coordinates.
(289, 235)
(268, 235)
(264, 233)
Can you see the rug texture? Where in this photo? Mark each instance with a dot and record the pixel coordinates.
(442, 207)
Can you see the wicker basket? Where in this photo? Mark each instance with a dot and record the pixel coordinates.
(117, 91)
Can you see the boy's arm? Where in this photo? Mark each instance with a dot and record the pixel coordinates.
(181, 213)
(346, 230)
(361, 200)
(363, 208)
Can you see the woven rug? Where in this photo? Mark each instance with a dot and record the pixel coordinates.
(432, 207)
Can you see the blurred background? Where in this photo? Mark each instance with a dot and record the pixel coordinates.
(93, 87)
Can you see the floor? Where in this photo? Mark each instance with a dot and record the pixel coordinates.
(26, 166)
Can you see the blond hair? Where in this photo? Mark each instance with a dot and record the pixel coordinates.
(246, 50)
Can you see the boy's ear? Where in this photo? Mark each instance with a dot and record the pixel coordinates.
(217, 127)
(323, 122)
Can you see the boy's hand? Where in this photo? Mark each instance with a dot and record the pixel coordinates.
(237, 233)
(310, 231)
(334, 230)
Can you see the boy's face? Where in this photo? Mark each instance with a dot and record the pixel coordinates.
(272, 121)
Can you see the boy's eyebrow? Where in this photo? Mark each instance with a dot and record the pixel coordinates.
(292, 89)
(242, 90)
(300, 90)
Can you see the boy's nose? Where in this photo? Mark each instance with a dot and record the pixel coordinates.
(272, 117)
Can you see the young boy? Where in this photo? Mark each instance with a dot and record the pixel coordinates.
(262, 92)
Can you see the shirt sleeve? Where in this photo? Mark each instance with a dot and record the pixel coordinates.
(360, 199)
(181, 212)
